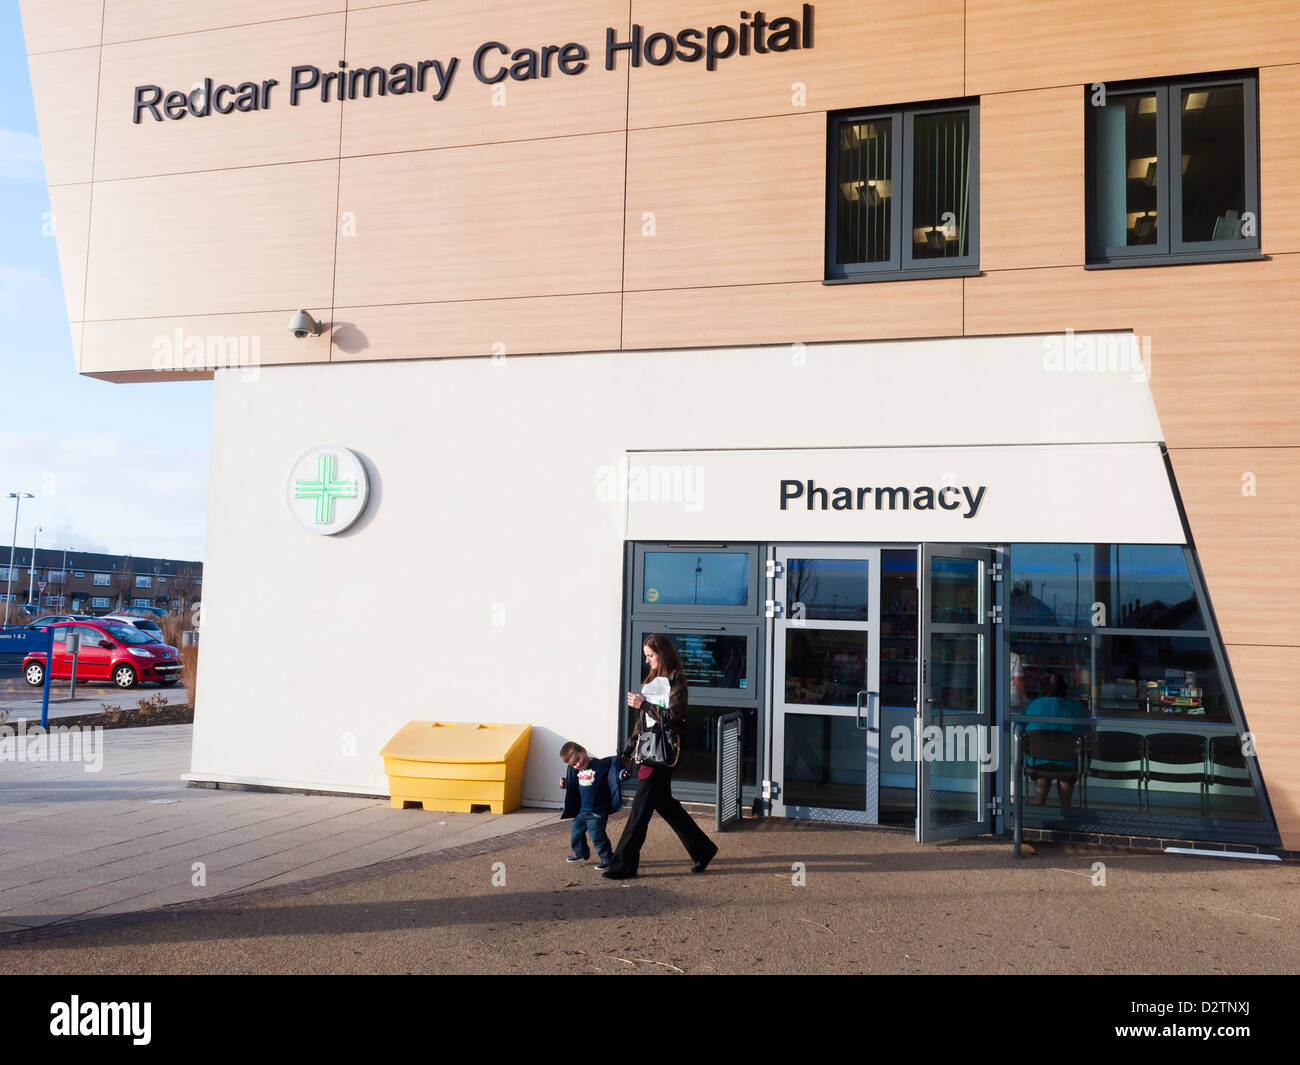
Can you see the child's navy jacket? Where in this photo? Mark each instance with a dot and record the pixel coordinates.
(607, 770)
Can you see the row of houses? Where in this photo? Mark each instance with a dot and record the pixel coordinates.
(88, 582)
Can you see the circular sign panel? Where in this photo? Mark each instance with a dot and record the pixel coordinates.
(327, 489)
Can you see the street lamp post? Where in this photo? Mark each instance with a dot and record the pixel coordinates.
(64, 577)
(18, 498)
(31, 570)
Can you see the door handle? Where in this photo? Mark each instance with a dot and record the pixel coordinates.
(861, 705)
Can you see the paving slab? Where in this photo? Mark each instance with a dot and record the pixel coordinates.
(75, 844)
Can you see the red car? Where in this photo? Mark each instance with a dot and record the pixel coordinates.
(109, 651)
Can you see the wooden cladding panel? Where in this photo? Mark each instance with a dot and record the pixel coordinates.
(1247, 543)
(64, 86)
(70, 206)
(778, 314)
(278, 134)
(891, 55)
(471, 112)
(502, 328)
(529, 218)
(1267, 678)
(220, 241)
(1279, 159)
(132, 20)
(1031, 179)
(186, 349)
(1220, 337)
(731, 203)
(49, 27)
(1013, 45)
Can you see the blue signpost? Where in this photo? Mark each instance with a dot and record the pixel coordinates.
(21, 642)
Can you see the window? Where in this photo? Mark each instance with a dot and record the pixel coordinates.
(1114, 637)
(79, 573)
(144, 582)
(709, 578)
(903, 193)
(162, 580)
(1144, 210)
(6, 574)
(101, 580)
(99, 602)
(140, 602)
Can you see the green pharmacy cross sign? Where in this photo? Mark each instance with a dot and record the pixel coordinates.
(327, 489)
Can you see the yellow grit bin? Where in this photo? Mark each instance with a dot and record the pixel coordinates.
(456, 765)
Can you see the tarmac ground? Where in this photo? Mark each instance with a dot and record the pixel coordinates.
(781, 897)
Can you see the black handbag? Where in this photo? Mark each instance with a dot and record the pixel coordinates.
(656, 747)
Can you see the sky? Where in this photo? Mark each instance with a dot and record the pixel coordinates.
(121, 468)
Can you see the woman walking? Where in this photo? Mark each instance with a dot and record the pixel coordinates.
(654, 789)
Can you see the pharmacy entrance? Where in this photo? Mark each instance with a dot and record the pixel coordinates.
(881, 686)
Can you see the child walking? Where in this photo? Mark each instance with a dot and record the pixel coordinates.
(591, 794)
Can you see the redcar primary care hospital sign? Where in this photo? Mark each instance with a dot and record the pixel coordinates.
(492, 62)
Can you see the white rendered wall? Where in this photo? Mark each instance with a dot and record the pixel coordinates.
(489, 511)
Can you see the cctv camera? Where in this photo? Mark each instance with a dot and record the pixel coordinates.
(304, 325)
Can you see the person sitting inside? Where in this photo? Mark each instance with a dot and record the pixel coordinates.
(1053, 704)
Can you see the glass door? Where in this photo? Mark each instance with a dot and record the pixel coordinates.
(957, 751)
(826, 682)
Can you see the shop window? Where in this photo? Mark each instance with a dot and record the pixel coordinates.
(709, 580)
(1110, 648)
(903, 193)
(1090, 586)
(1173, 171)
(719, 662)
(699, 759)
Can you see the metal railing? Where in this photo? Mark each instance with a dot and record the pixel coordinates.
(1097, 740)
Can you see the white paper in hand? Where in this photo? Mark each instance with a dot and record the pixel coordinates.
(656, 691)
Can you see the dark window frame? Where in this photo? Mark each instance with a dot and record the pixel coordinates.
(901, 266)
(1170, 249)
